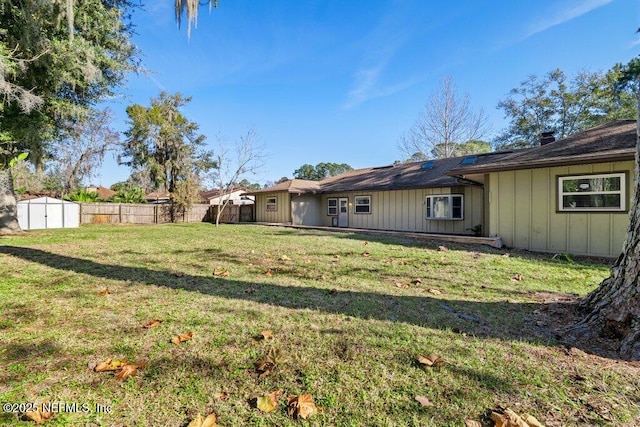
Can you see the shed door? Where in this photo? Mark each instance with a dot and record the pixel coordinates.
(343, 212)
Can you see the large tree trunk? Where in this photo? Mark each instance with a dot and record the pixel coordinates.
(614, 307)
(8, 204)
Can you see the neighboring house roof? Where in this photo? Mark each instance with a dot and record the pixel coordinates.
(613, 141)
(103, 192)
(295, 185)
(158, 195)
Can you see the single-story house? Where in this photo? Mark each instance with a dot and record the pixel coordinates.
(570, 195)
(104, 193)
(236, 197)
(158, 197)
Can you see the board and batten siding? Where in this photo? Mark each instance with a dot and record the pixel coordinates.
(282, 214)
(306, 209)
(522, 210)
(404, 210)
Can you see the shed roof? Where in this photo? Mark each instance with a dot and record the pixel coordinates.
(613, 141)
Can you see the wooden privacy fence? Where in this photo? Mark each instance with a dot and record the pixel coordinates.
(128, 213)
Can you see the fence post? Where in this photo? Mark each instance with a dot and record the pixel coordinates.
(120, 213)
(155, 213)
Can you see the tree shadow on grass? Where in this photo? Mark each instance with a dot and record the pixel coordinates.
(482, 319)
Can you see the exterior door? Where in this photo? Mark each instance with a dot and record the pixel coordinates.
(343, 212)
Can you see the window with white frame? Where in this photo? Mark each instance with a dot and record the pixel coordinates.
(362, 204)
(601, 192)
(332, 206)
(444, 206)
(272, 204)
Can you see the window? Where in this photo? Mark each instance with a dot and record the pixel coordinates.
(604, 192)
(332, 207)
(363, 204)
(445, 206)
(272, 204)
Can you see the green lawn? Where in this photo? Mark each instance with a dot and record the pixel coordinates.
(347, 326)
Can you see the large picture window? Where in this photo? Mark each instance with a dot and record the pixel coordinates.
(272, 204)
(362, 204)
(332, 206)
(580, 193)
(445, 206)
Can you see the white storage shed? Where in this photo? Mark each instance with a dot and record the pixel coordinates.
(47, 212)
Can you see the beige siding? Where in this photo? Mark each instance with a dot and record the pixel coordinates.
(404, 210)
(306, 209)
(282, 215)
(522, 210)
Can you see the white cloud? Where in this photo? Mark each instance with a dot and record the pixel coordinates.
(573, 10)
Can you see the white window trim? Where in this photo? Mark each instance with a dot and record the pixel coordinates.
(355, 205)
(429, 207)
(272, 206)
(621, 192)
(329, 207)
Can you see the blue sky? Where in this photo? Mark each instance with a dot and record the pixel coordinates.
(340, 81)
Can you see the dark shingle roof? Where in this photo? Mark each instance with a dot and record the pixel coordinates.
(613, 141)
(291, 186)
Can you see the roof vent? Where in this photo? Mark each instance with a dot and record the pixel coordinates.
(428, 165)
(546, 138)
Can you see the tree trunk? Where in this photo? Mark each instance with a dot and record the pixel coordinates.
(614, 307)
(8, 204)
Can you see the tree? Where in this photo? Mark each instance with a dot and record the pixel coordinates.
(320, 171)
(162, 141)
(555, 103)
(446, 121)
(55, 63)
(84, 148)
(9, 215)
(190, 9)
(233, 163)
(613, 309)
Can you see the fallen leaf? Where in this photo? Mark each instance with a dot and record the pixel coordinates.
(222, 395)
(404, 263)
(434, 291)
(129, 371)
(178, 274)
(366, 254)
(442, 249)
(511, 419)
(366, 243)
(302, 406)
(182, 338)
(401, 285)
(250, 290)
(199, 421)
(266, 334)
(265, 365)
(333, 291)
(105, 292)
(416, 281)
(285, 258)
(506, 255)
(152, 323)
(424, 401)
(472, 423)
(110, 365)
(430, 360)
(517, 277)
(38, 416)
(269, 402)
(268, 272)
(336, 256)
(220, 272)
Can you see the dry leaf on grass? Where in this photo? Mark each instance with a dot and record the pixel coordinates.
(430, 360)
(416, 281)
(517, 277)
(401, 285)
(129, 371)
(199, 421)
(285, 258)
(268, 272)
(266, 334)
(178, 274)
(105, 292)
(366, 254)
(366, 243)
(182, 338)
(511, 419)
(424, 401)
(269, 402)
(506, 255)
(222, 395)
(250, 290)
(442, 249)
(472, 423)
(220, 272)
(110, 365)
(265, 365)
(302, 406)
(152, 323)
(38, 416)
(434, 291)
(333, 291)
